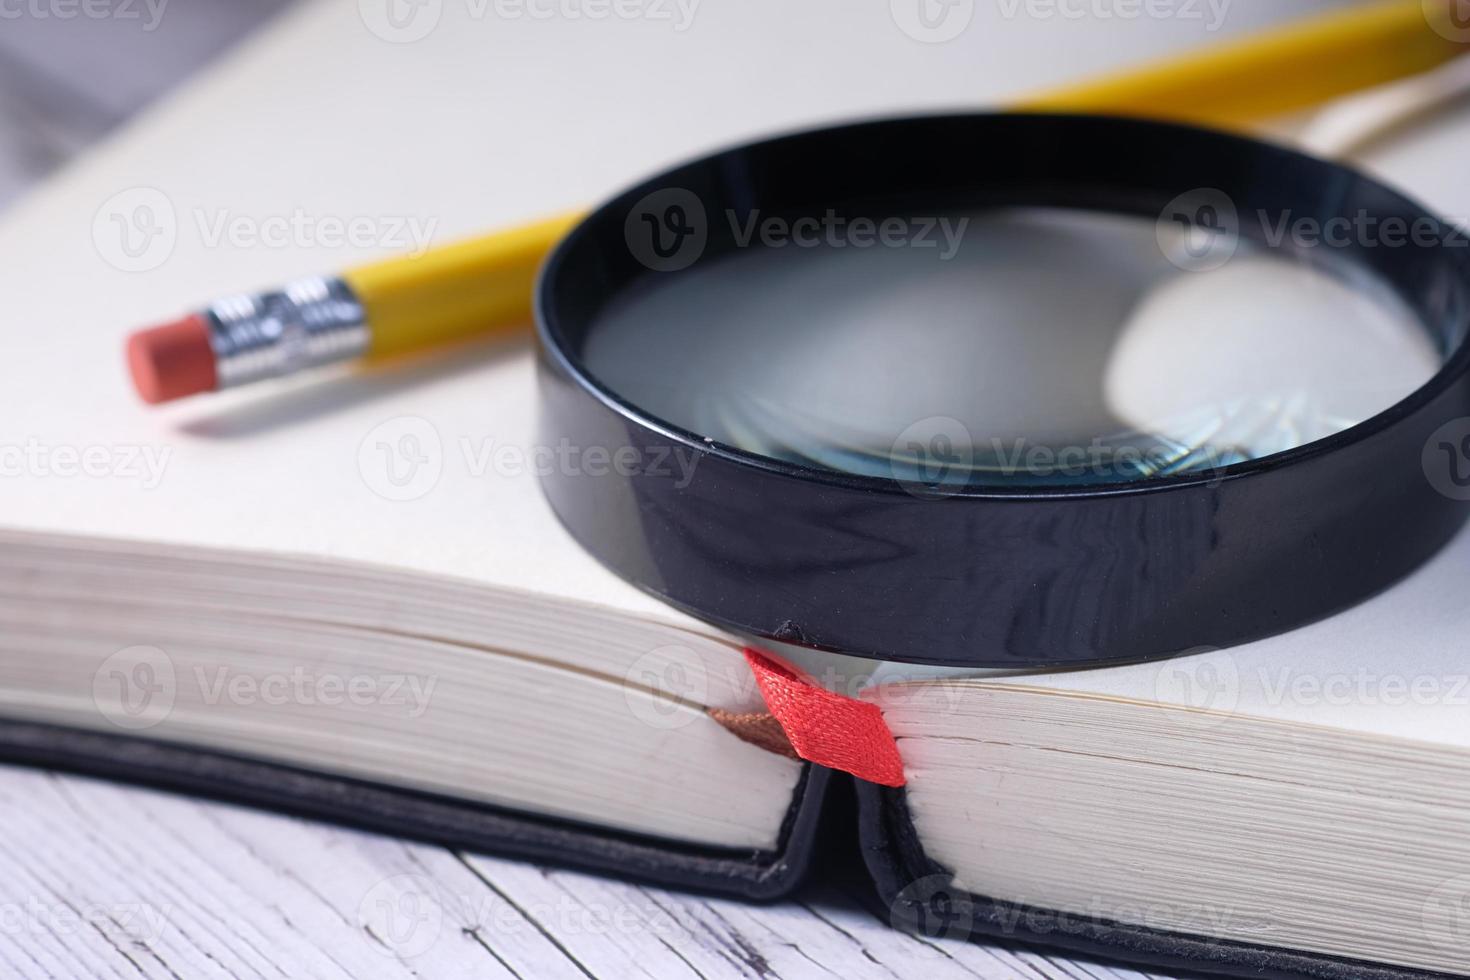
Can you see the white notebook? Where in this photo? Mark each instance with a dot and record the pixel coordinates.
(390, 526)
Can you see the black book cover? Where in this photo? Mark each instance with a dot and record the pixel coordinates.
(431, 817)
(909, 888)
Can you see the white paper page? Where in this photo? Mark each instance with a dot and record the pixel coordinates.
(484, 120)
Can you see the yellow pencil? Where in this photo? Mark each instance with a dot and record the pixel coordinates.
(1276, 72)
(484, 285)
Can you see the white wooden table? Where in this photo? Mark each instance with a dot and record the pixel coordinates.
(101, 880)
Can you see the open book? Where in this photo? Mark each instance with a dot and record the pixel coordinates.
(346, 597)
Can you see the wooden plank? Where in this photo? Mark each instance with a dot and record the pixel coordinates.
(606, 927)
(100, 879)
(103, 880)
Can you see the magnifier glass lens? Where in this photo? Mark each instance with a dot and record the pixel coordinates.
(1021, 346)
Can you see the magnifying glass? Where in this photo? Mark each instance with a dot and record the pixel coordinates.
(1003, 390)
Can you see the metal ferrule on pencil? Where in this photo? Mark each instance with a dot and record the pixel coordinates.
(305, 324)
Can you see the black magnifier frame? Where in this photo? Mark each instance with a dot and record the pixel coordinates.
(1007, 576)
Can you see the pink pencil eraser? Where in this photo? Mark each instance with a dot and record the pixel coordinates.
(172, 361)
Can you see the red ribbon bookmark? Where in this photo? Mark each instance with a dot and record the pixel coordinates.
(827, 728)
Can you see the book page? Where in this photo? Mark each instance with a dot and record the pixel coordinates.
(332, 140)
